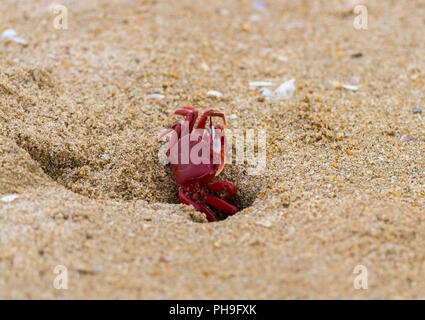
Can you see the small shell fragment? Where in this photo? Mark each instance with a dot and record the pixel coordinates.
(205, 66)
(266, 92)
(224, 12)
(156, 96)
(165, 258)
(11, 35)
(407, 138)
(264, 222)
(9, 197)
(350, 87)
(285, 90)
(261, 84)
(339, 85)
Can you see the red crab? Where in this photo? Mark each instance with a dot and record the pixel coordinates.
(193, 172)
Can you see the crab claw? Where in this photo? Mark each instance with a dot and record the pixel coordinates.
(189, 112)
(219, 146)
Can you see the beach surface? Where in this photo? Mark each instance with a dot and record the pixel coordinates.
(337, 213)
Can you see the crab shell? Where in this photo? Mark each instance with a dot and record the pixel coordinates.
(202, 166)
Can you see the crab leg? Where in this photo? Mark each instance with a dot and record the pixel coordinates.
(208, 212)
(217, 203)
(198, 206)
(223, 185)
(190, 113)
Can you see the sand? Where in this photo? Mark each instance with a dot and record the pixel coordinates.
(344, 181)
